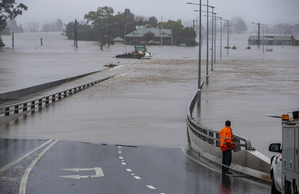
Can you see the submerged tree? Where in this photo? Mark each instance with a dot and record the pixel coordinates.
(9, 10)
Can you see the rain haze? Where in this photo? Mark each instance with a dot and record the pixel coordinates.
(269, 12)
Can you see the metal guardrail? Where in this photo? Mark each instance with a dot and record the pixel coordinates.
(211, 136)
(39, 103)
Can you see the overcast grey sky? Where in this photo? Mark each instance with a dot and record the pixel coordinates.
(263, 11)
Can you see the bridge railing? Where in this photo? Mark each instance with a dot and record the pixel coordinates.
(22, 108)
(211, 136)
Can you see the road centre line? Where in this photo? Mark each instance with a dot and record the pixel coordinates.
(23, 183)
(23, 157)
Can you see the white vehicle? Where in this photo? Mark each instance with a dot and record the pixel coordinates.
(285, 165)
(275, 170)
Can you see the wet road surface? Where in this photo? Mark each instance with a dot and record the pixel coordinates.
(72, 167)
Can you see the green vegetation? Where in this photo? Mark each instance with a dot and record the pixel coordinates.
(9, 10)
(103, 25)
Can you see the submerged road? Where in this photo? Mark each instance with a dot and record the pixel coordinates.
(52, 166)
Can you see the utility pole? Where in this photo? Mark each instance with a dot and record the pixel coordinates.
(75, 34)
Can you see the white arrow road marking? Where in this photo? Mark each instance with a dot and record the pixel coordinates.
(98, 171)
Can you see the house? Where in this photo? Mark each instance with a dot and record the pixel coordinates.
(271, 40)
(295, 40)
(118, 40)
(149, 35)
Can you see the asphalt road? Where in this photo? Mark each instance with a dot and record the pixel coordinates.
(51, 166)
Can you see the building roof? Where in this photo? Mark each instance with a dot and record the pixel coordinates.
(144, 30)
(118, 39)
(271, 38)
(296, 37)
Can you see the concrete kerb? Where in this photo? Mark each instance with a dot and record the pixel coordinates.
(247, 162)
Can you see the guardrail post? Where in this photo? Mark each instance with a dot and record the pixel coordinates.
(16, 109)
(47, 100)
(33, 105)
(7, 111)
(217, 142)
(25, 107)
(53, 98)
(40, 104)
(237, 144)
(211, 141)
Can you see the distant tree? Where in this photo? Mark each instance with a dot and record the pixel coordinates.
(282, 29)
(187, 36)
(58, 25)
(15, 27)
(176, 28)
(296, 29)
(9, 10)
(153, 21)
(33, 26)
(240, 27)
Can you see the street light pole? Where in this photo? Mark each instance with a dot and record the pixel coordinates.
(125, 32)
(227, 35)
(207, 69)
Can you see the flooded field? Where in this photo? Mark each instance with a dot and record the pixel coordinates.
(148, 105)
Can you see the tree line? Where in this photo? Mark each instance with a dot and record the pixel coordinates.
(103, 25)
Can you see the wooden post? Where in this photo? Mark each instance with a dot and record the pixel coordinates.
(13, 39)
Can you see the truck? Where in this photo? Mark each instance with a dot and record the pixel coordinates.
(285, 165)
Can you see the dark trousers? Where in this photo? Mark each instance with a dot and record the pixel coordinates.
(226, 160)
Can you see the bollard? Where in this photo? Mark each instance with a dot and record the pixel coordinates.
(211, 141)
(16, 109)
(24, 107)
(7, 111)
(40, 104)
(32, 105)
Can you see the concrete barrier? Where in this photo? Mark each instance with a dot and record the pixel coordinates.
(205, 143)
(13, 95)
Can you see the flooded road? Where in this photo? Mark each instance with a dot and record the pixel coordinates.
(148, 106)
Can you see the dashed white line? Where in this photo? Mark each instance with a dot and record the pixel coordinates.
(123, 163)
(120, 157)
(119, 152)
(151, 186)
(137, 177)
(129, 170)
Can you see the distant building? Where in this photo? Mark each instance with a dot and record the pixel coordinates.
(272, 40)
(118, 40)
(149, 35)
(296, 40)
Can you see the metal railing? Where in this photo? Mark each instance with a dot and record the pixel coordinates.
(32, 105)
(211, 136)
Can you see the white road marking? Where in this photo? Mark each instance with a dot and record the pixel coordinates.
(123, 163)
(98, 171)
(119, 146)
(23, 183)
(137, 177)
(129, 170)
(23, 157)
(120, 157)
(119, 152)
(151, 186)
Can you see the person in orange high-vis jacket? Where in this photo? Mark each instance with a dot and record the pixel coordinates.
(227, 144)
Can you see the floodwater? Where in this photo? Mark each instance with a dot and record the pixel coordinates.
(148, 104)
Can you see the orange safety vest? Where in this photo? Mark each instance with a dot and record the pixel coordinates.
(226, 138)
